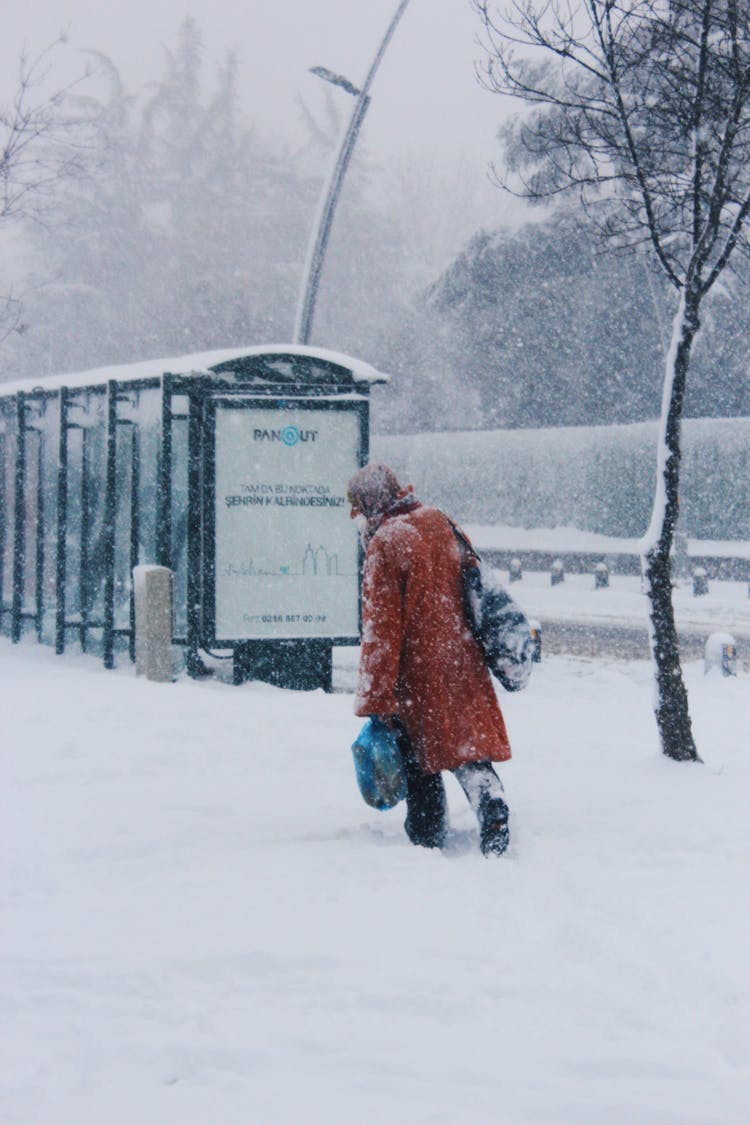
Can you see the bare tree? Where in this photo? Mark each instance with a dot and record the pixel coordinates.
(642, 107)
(11, 319)
(40, 145)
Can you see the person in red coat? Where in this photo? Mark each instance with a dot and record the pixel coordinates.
(421, 668)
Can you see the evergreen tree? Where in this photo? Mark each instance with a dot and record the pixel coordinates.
(186, 233)
(536, 327)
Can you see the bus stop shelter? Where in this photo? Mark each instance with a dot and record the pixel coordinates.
(229, 468)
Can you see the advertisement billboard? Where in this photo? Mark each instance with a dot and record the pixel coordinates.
(285, 552)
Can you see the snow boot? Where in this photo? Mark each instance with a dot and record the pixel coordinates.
(494, 835)
(430, 835)
(426, 816)
(484, 789)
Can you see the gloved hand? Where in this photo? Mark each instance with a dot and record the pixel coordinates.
(389, 721)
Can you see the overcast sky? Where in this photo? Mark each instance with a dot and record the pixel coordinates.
(425, 96)
(426, 100)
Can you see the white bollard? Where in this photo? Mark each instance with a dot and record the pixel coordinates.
(700, 581)
(721, 652)
(601, 576)
(152, 586)
(557, 572)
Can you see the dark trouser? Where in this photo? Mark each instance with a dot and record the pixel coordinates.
(426, 819)
(426, 809)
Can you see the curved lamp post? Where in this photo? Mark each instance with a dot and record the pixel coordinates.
(322, 227)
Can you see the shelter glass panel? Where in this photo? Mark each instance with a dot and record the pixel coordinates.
(32, 525)
(180, 456)
(8, 448)
(126, 519)
(50, 430)
(95, 474)
(74, 554)
(85, 547)
(149, 440)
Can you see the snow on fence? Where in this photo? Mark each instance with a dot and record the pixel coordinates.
(598, 479)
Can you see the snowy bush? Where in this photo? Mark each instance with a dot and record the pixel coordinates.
(598, 478)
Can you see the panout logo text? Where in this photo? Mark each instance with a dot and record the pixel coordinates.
(289, 435)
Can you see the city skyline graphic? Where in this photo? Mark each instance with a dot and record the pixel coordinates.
(315, 562)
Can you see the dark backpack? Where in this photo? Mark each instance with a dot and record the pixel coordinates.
(495, 620)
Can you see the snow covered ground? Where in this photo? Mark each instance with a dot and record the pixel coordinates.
(202, 923)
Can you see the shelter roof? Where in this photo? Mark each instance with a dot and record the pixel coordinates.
(280, 356)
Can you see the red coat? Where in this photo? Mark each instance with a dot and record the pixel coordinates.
(420, 661)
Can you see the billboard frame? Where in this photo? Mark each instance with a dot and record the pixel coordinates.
(279, 403)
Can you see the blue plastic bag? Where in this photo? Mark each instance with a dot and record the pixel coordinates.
(378, 765)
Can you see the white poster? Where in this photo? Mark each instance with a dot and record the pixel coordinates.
(286, 549)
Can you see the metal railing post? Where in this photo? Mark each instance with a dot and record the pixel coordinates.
(2, 526)
(62, 524)
(83, 573)
(135, 512)
(108, 639)
(19, 521)
(194, 529)
(40, 538)
(164, 493)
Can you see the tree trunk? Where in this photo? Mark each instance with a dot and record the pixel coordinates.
(672, 714)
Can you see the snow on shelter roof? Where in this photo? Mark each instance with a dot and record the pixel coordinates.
(198, 363)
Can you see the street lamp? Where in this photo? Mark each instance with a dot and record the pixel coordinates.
(336, 79)
(322, 227)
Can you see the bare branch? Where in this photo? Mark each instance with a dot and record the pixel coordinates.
(639, 107)
(11, 317)
(40, 142)
(731, 243)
